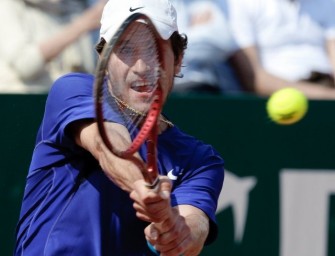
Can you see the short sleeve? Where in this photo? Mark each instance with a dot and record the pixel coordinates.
(70, 99)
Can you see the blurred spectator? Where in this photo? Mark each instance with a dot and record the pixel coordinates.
(205, 67)
(95, 33)
(285, 43)
(43, 39)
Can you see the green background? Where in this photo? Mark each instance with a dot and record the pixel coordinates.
(237, 126)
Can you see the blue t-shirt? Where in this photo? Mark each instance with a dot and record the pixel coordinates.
(71, 208)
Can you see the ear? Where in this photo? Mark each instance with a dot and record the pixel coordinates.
(177, 65)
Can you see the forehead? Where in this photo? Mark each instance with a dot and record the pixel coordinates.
(139, 32)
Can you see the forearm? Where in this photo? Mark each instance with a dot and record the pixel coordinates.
(256, 79)
(70, 33)
(122, 172)
(266, 84)
(331, 53)
(54, 45)
(198, 223)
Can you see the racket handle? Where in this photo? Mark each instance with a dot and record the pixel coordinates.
(154, 185)
(152, 249)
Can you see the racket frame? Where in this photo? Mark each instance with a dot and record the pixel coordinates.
(149, 131)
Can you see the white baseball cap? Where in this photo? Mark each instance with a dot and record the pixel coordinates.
(161, 12)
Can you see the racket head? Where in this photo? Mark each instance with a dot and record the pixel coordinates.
(132, 99)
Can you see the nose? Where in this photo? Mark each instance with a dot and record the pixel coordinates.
(141, 67)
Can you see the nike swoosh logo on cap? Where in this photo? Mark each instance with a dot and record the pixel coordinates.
(134, 9)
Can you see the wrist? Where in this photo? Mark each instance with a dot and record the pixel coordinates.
(199, 224)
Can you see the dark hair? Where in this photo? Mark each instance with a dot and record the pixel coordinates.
(178, 42)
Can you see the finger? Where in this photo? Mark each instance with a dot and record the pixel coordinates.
(149, 202)
(179, 235)
(177, 231)
(151, 233)
(181, 247)
(165, 187)
(175, 247)
(152, 213)
(142, 193)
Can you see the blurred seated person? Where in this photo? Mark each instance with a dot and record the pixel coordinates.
(210, 44)
(285, 43)
(43, 39)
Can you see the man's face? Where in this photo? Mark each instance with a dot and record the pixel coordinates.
(133, 68)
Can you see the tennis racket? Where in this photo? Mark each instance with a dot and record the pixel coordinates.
(128, 91)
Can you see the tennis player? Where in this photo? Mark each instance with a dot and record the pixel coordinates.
(82, 200)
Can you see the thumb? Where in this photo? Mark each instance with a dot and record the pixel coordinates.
(165, 187)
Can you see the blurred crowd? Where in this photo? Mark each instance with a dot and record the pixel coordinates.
(235, 46)
(43, 39)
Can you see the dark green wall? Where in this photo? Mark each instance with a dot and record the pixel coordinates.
(239, 129)
(21, 115)
(252, 145)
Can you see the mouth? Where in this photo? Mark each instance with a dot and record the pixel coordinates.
(142, 86)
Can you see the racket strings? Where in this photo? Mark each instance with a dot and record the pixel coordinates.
(136, 47)
(135, 113)
(129, 86)
(138, 50)
(129, 117)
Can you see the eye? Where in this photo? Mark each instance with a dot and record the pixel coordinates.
(151, 50)
(126, 50)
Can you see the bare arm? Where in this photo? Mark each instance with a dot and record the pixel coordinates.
(331, 53)
(87, 22)
(198, 223)
(122, 172)
(256, 79)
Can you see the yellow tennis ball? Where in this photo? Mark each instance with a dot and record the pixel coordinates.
(287, 106)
